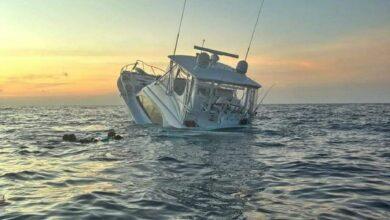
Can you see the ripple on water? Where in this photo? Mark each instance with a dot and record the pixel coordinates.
(27, 175)
(295, 162)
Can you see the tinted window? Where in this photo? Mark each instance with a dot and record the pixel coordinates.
(151, 109)
(180, 82)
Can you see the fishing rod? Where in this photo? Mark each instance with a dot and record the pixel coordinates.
(265, 95)
(254, 28)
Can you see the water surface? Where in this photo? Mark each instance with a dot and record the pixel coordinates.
(296, 161)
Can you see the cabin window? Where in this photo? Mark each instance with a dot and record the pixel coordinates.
(165, 79)
(204, 91)
(180, 82)
(205, 88)
(150, 109)
(252, 98)
(240, 98)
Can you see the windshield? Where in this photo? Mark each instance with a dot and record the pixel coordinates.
(235, 98)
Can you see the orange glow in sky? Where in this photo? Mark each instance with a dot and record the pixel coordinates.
(74, 49)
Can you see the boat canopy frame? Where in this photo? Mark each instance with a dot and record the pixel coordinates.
(154, 71)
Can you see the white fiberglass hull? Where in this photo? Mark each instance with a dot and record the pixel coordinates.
(129, 86)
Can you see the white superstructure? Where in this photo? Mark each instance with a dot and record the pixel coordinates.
(195, 92)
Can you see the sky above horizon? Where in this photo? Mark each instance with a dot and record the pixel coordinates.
(314, 51)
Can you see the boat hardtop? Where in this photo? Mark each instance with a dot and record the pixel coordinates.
(218, 72)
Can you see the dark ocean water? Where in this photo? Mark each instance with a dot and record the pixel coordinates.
(295, 162)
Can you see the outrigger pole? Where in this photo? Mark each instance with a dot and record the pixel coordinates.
(181, 20)
(254, 28)
(169, 90)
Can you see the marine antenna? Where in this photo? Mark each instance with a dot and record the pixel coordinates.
(181, 20)
(254, 28)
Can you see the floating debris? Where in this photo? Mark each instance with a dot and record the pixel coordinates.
(88, 140)
(3, 202)
(111, 135)
(69, 137)
(118, 137)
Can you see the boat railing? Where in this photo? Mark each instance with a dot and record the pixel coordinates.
(147, 68)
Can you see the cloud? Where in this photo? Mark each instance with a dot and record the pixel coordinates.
(360, 59)
(48, 85)
(62, 53)
(34, 77)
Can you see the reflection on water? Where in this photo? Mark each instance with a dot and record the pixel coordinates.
(296, 161)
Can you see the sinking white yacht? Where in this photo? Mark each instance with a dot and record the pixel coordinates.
(195, 92)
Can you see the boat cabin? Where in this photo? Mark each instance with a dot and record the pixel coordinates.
(199, 91)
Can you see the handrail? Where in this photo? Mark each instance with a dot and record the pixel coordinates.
(151, 67)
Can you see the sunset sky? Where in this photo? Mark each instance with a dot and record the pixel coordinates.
(315, 51)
